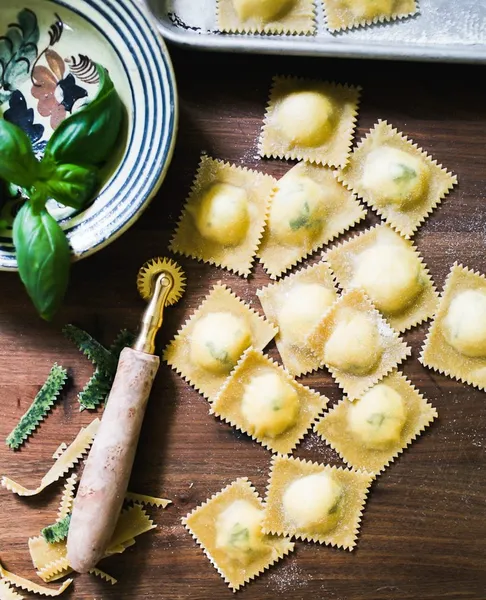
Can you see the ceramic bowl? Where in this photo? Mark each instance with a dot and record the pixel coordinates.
(47, 53)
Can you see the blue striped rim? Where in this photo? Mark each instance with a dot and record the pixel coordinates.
(117, 210)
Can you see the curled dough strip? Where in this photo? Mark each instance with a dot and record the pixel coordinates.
(103, 575)
(67, 498)
(30, 586)
(68, 459)
(7, 593)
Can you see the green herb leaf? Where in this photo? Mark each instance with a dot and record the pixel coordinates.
(43, 258)
(73, 185)
(302, 220)
(43, 402)
(57, 532)
(18, 164)
(89, 135)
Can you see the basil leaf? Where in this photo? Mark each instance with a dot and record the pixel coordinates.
(43, 258)
(18, 164)
(73, 185)
(88, 136)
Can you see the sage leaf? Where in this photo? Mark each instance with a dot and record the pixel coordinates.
(88, 136)
(43, 258)
(18, 164)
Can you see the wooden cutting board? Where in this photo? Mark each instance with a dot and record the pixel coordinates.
(423, 535)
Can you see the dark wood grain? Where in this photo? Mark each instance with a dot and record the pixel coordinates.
(423, 534)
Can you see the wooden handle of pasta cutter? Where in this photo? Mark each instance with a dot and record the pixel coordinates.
(107, 472)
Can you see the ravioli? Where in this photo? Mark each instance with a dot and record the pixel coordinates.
(456, 342)
(224, 216)
(261, 399)
(391, 272)
(295, 305)
(218, 340)
(315, 502)
(356, 344)
(308, 209)
(228, 529)
(309, 120)
(400, 181)
(211, 342)
(345, 14)
(266, 16)
(371, 432)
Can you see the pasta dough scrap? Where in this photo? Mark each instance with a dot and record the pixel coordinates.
(396, 178)
(66, 461)
(248, 328)
(147, 500)
(456, 341)
(224, 216)
(67, 497)
(309, 208)
(356, 344)
(102, 575)
(309, 120)
(295, 305)
(7, 593)
(391, 272)
(261, 399)
(346, 14)
(360, 431)
(266, 16)
(30, 586)
(315, 502)
(228, 529)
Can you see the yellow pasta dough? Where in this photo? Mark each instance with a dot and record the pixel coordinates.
(355, 345)
(456, 342)
(396, 178)
(239, 531)
(211, 342)
(218, 340)
(378, 417)
(309, 120)
(228, 529)
(260, 398)
(266, 16)
(391, 272)
(224, 216)
(371, 432)
(464, 325)
(302, 308)
(308, 209)
(269, 404)
(315, 502)
(295, 305)
(344, 14)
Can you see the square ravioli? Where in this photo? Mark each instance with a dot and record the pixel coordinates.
(391, 272)
(345, 14)
(261, 399)
(210, 343)
(266, 16)
(400, 181)
(356, 344)
(371, 432)
(308, 209)
(295, 305)
(224, 216)
(228, 529)
(456, 342)
(309, 120)
(315, 502)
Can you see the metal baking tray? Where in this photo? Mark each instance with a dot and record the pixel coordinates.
(443, 31)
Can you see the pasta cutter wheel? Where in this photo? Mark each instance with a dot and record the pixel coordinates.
(104, 483)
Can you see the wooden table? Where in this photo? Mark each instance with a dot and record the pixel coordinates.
(423, 535)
